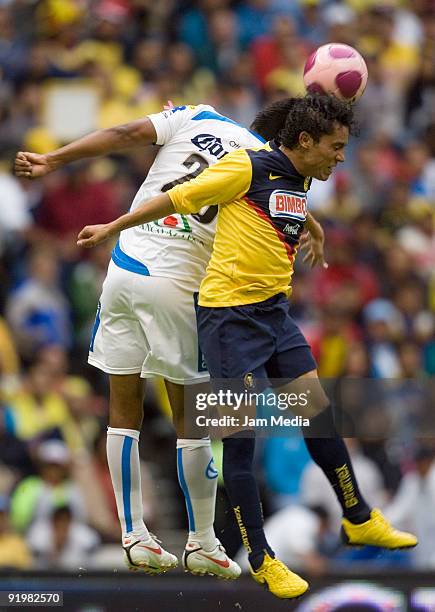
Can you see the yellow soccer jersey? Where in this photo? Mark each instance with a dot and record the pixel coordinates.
(263, 208)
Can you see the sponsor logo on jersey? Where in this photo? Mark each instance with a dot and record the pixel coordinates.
(292, 230)
(210, 143)
(288, 204)
(174, 222)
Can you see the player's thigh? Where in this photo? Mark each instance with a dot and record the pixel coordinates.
(118, 343)
(166, 310)
(235, 342)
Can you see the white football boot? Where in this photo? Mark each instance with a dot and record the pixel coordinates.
(147, 555)
(213, 562)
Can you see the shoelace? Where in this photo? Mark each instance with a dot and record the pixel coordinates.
(283, 571)
(380, 521)
(155, 538)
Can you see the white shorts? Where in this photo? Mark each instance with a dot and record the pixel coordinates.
(147, 325)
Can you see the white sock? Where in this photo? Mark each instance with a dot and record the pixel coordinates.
(198, 480)
(123, 459)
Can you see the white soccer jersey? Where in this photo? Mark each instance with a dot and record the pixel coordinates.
(179, 246)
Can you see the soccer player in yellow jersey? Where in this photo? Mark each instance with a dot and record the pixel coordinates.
(245, 330)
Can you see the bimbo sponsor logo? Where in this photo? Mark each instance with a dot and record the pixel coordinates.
(288, 204)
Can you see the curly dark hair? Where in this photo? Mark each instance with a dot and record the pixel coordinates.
(316, 115)
(269, 122)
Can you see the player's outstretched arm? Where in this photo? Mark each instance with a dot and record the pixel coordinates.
(102, 142)
(150, 210)
(313, 243)
(227, 180)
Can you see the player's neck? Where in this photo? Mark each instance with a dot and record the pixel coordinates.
(296, 160)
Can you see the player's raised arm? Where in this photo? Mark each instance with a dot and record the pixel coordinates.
(224, 182)
(102, 142)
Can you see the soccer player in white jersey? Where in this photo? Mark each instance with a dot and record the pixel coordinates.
(145, 324)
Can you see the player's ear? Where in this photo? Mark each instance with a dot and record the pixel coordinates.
(305, 140)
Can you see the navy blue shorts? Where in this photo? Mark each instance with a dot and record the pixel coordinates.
(259, 339)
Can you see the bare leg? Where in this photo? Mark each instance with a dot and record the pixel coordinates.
(126, 401)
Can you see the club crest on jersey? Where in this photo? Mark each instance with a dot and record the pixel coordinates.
(288, 204)
(210, 143)
(180, 108)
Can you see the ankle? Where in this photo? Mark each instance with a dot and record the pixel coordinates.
(359, 517)
(137, 534)
(206, 541)
(256, 558)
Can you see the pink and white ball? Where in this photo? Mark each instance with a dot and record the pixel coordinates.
(336, 69)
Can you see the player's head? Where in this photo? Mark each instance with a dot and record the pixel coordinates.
(269, 122)
(316, 131)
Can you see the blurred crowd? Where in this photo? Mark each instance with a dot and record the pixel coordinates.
(70, 66)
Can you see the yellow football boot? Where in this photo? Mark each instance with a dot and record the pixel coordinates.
(279, 579)
(377, 531)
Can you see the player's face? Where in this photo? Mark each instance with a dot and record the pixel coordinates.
(325, 154)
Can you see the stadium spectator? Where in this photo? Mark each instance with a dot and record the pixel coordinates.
(384, 325)
(15, 218)
(9, 359)
(80, 195)
(37, 311)
(416, 494)
(84, 291)
(14, 553)
(38, 410)
(15, 459)
(60, 541)
(37, 496)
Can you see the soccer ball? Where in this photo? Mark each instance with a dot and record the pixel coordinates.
(336, 69)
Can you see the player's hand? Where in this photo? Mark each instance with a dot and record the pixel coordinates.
(312, 246)
(91, 235)
(32, 165)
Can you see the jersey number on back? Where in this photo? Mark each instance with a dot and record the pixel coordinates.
(210, 212)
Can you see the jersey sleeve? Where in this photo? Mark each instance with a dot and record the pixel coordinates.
(229, 179)
(169, 122)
